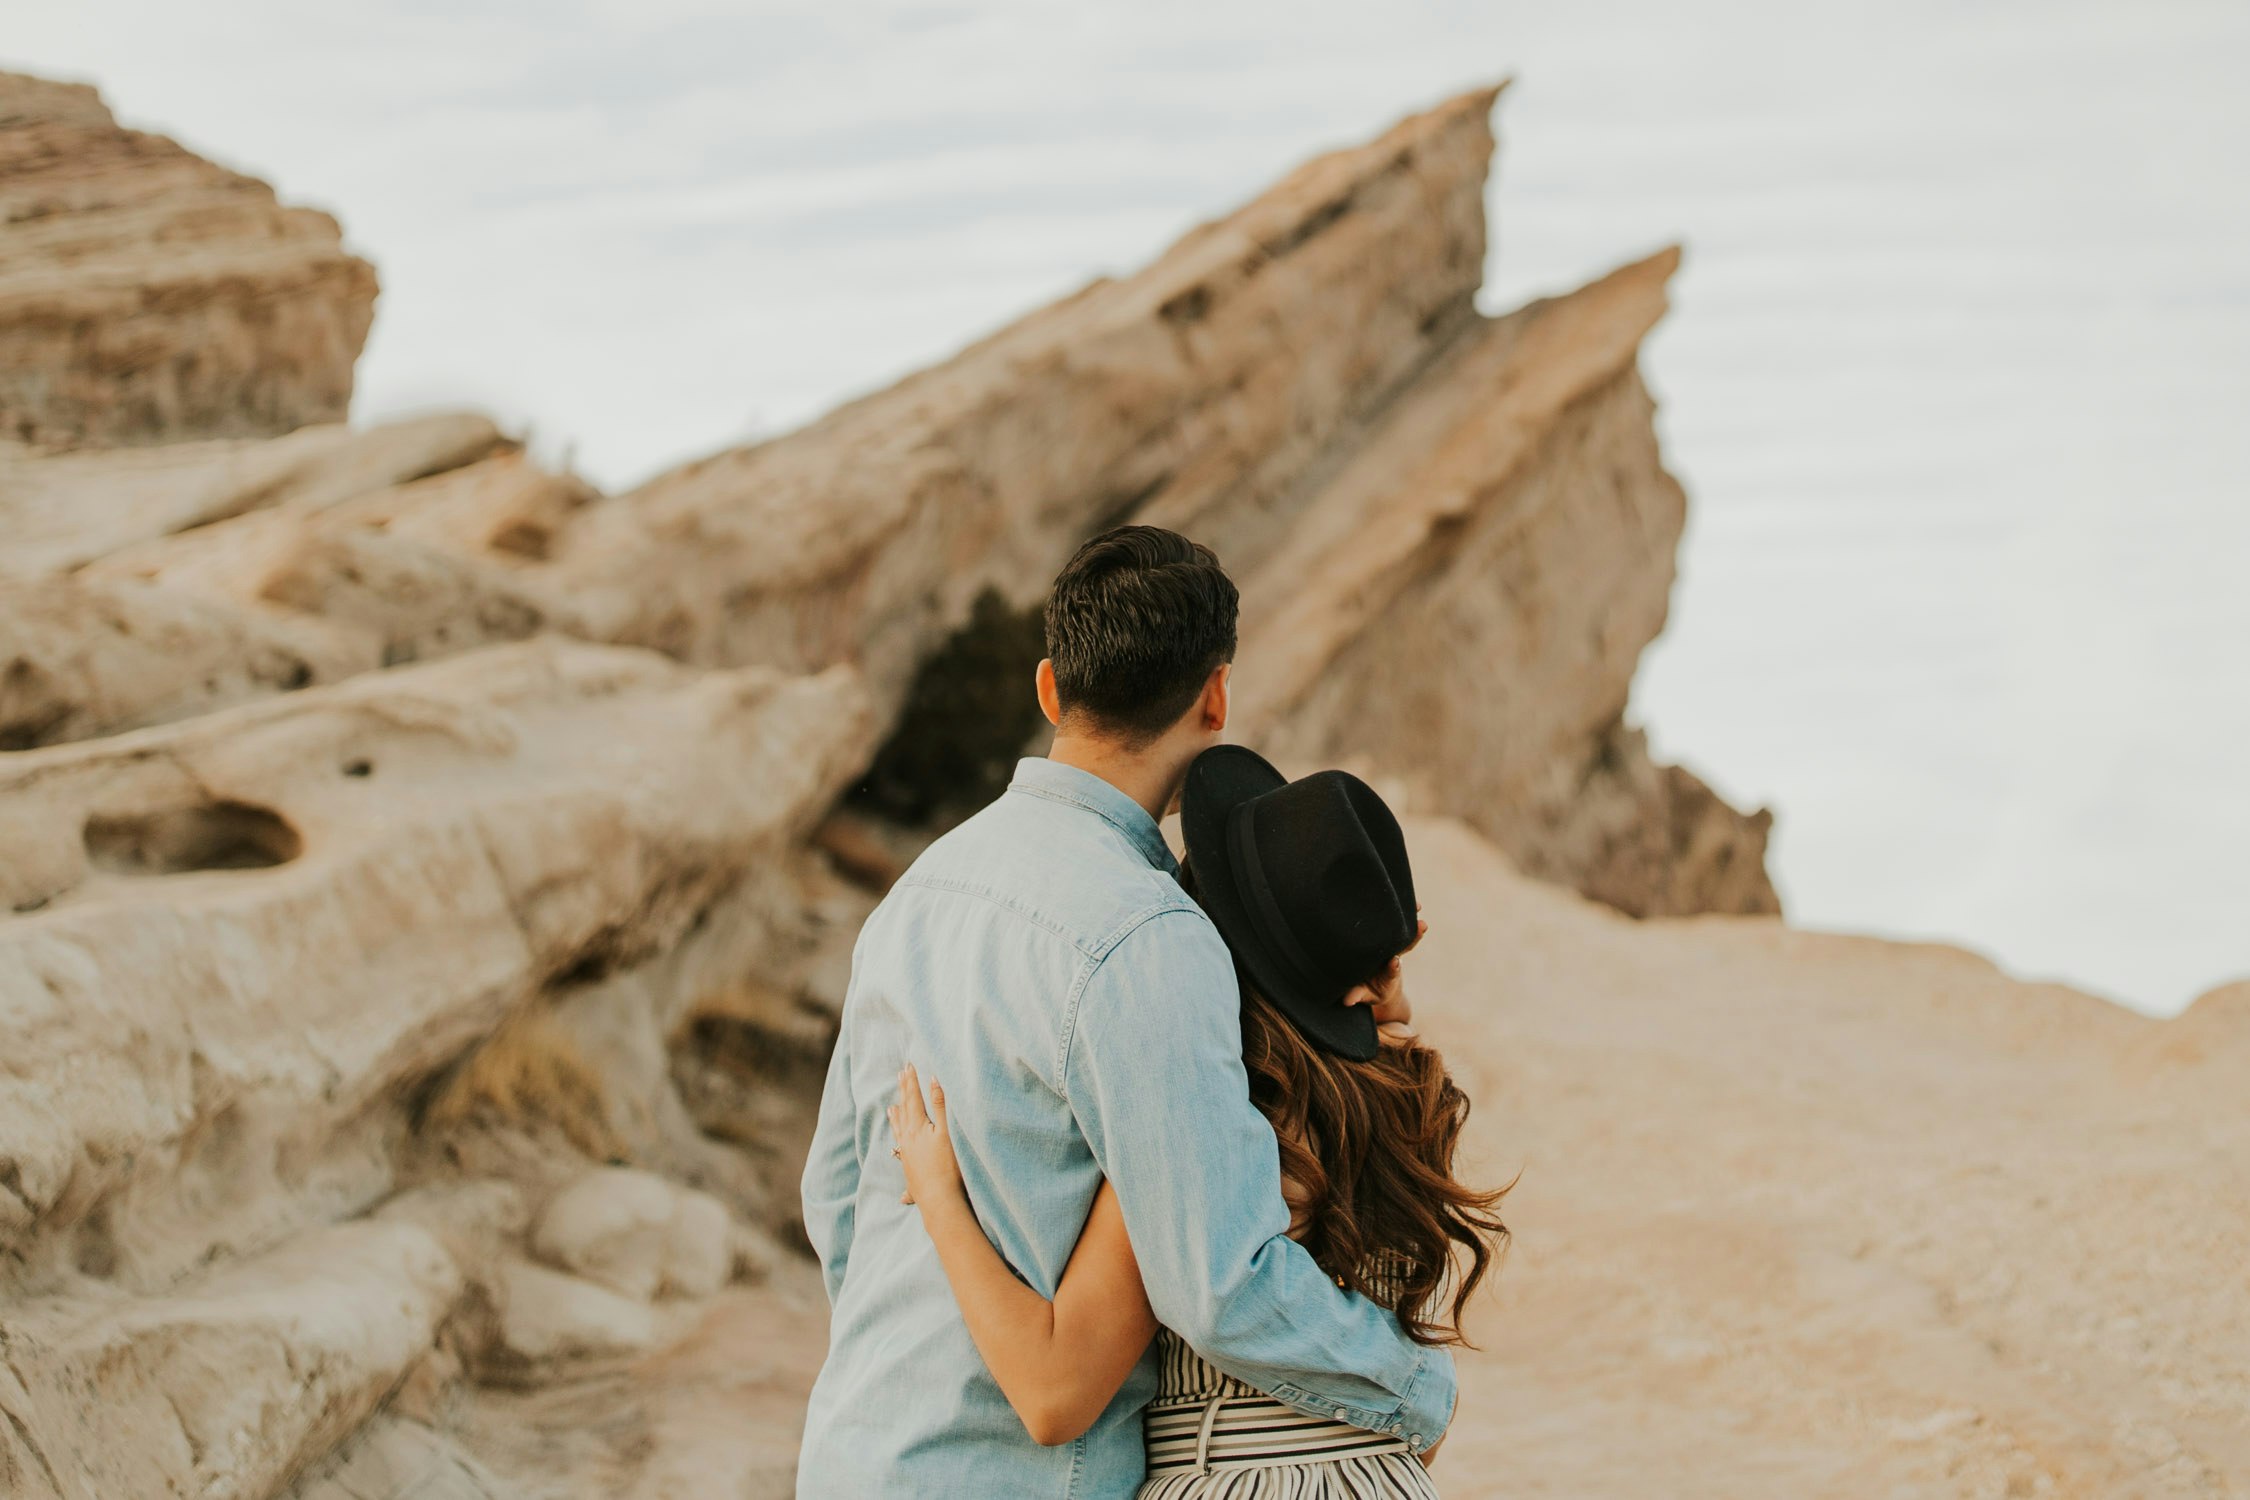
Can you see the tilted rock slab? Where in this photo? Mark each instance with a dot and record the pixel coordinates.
(206, 575)
(1396, 480)
(59, 511)
(226, 1387)
(717, 1412)
(236, 944)
(146, 293)
(84, 657)
(1305, 384)
(1214, 371)
(1463, 598)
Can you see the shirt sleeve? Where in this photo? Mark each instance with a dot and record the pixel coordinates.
(1155, 1077)
(830, 1190)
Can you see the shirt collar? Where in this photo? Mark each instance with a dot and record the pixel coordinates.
(1039, 777)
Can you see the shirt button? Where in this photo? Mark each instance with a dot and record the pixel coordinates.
(1414, 1441)
(1342, 1415)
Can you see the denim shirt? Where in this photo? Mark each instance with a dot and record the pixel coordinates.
(1043, 963)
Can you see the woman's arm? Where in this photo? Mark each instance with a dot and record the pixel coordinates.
(1059, 1363)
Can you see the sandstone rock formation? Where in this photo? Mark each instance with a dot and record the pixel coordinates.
(145, 585)
(1464, 596)
(414, 987)
(235, 937)
(146, 293)
(1304, 383)
(247, 957)
(1210, 376)
(60, 511)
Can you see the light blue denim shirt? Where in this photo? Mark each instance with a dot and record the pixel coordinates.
(1042, 962)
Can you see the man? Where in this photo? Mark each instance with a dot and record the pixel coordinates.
(1043, 960)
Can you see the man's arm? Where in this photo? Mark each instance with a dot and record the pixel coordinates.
(831, 1181)
(1154, 1074)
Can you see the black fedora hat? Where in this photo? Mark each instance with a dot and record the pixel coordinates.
(1308, 882)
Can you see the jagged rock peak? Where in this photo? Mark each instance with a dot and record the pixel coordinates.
(149, 294)
(1211, 374)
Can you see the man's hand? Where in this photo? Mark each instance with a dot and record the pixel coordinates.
(1386, 993)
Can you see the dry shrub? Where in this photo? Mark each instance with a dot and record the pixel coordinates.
(529, 1074)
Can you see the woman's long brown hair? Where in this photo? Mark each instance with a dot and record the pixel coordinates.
(1367, 1162)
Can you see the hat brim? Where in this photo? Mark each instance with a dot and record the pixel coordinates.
(1219, 781)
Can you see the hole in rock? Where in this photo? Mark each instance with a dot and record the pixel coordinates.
(33, 708)
(588, 968)
(359, 768)
(967, 719)
(95, 1249)
(217, 1150)
(177, 841)
(524, 539)
(1190, 306)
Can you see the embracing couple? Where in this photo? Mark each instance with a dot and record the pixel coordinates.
(1177, 1215)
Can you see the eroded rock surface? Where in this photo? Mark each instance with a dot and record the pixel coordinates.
(1304, 384)
(183, 580)
(405, 1070)
(1210, 375)
(230, 1384)
(59, 511)
(1463, 599)
(239, 942)
(146, 293)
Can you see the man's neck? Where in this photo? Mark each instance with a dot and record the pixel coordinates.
(1150, 777)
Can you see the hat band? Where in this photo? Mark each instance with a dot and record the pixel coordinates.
(1250, 879)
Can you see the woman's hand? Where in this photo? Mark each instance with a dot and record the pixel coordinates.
(921, 1141)
(1386, 993)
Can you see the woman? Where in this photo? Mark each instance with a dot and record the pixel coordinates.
(1310, 885)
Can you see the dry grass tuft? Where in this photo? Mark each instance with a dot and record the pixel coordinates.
(529, 1073)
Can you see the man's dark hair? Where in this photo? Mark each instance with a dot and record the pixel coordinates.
(1137, 622)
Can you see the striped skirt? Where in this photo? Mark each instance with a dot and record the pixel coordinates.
(1210, 1437)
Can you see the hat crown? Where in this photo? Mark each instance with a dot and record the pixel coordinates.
(1334, 859)
(1307, 880)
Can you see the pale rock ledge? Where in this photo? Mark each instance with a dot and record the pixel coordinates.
(149, 294)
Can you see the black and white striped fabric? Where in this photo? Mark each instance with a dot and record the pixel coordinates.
(1210, 1437)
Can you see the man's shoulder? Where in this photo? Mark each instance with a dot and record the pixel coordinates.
(1076, 880)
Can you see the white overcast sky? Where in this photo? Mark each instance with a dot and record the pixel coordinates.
(1955, 378)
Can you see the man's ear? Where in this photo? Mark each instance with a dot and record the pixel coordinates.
(1050, 701)
(1218, 698)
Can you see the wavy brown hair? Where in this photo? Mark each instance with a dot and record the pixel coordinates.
(1367, 1163)
(1367, 1166)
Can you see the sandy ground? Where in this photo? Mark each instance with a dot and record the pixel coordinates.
(1817, 1216)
